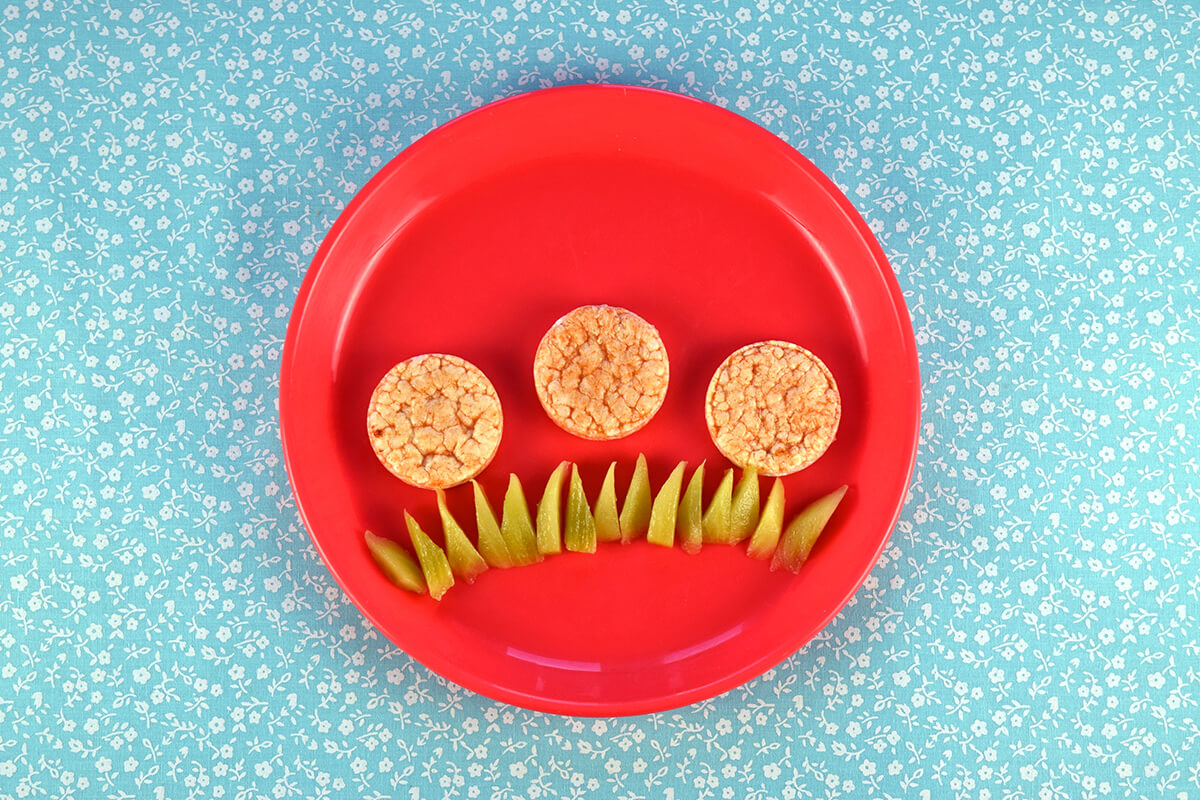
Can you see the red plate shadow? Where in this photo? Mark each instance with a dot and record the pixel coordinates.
(473, 241)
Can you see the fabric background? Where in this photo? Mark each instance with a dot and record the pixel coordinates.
(168, 169)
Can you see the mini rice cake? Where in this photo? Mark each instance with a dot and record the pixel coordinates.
(601, 372)
(773, 406)
(435, 421)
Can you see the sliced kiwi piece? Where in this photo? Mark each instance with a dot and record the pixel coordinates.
(718, 521)
(438, 576)
(580, 535)
(516, 526)
(691, 521)
(491, 543)
(743, 514)
(770, 524)
(608, 521)
(395, 562)
(465, 561)
(549, 513)
(635, 513)
(666, 505)
(802, 532)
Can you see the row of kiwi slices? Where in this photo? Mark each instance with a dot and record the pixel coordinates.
(675, 513)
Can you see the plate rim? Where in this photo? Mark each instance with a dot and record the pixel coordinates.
(786, 647)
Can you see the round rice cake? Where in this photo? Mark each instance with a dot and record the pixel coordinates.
(774, 406)
(601, 372)
(435, 421)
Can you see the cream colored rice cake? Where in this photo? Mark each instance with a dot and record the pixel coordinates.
(774, 406)
(601, 372)
(435, 421)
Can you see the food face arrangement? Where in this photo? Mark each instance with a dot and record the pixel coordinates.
(435, 421)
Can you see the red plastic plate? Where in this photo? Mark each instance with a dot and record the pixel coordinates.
(473, 241)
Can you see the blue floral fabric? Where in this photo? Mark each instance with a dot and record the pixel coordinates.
(166, 173)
